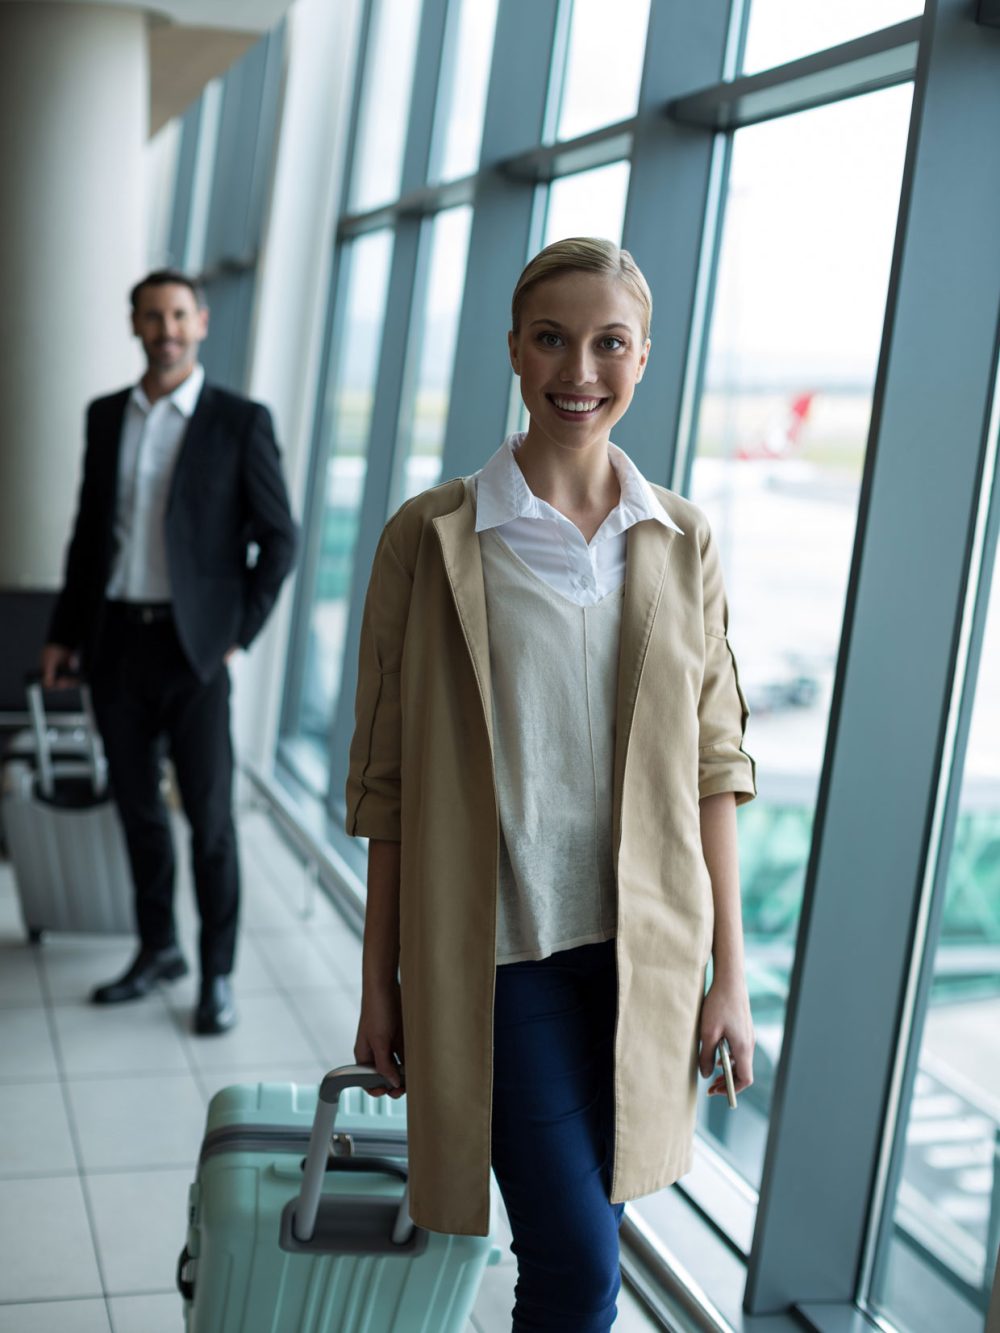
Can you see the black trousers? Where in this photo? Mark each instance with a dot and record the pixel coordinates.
(149, 701)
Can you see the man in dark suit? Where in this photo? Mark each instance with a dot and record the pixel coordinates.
(182, 538)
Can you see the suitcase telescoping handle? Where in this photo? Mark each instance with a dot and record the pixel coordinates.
(40, 726)
(336, 1082)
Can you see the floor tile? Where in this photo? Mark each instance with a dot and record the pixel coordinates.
(138, 1037)
(26, 1050)
(138, 1122)
(45, 1241)
(330, 1016)
(56, 1317)
(140, 1218)
(162, 1313)
(250, 976)
(72, 966)
(35, 1137)
(344, 951)
(294, 960)
(268, 1032)
(20, 983)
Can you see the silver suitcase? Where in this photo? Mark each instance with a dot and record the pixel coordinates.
(62, 831)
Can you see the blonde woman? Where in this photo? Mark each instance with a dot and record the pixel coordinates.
(547, 762)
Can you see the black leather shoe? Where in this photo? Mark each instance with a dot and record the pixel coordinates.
(216, 1011)
(149, 967)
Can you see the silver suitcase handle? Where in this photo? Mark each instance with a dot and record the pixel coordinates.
(337, 1081)
(43, 752)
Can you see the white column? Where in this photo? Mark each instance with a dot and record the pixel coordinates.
(74, 103)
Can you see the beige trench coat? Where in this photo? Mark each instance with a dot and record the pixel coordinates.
(421, 772)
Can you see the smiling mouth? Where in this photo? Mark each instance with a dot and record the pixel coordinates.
(575, 407)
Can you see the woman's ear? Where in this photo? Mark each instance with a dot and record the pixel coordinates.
(643, 358)
(515, 358)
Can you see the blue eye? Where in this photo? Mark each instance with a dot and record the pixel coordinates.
(612, 343)
(549, 339)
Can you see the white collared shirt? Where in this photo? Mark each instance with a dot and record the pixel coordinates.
(549, 543)
(152, 435)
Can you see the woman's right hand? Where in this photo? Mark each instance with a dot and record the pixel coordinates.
(380, 1036)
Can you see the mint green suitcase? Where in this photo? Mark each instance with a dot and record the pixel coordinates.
(293, 1228)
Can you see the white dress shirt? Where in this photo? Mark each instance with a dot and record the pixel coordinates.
(549, 543)
(152, 435)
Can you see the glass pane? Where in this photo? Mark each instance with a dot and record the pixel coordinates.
(347, 417)
(936, 1267)
(799, 306)
(603, 65)
(783, 30)
(591, 203)
(422, 439)
(385, 103)
(462, 104)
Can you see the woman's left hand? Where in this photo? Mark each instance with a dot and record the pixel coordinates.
(726, 1013)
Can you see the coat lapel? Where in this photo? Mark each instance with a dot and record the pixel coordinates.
(464, 566)
(196, 427)
(649, 548)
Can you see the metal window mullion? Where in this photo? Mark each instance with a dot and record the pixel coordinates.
(666, 216)
(408, 387)
(444, 100)
(365, 30)
(262, 161)
(319, 452)
(382, 440)
(315, 499)
(983, 556)
(184, 183)
(428, 65)
(501, 232)
(876, 60)
(878, 794)
(384, 431)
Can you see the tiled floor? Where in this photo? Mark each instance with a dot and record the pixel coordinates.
(102, 1110)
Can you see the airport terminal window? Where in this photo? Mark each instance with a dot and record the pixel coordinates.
(781, 30)
(385, 98)
(425, 415)
(362, 285)
(809, 225)
(603, 65)
(589, 203)
(939, 1243)
(462, 101)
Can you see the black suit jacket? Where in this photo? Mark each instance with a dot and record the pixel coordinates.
(226, 493)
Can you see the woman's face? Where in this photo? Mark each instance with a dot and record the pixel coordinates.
(579, 353)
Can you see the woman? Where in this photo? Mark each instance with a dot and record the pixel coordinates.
(547, 760)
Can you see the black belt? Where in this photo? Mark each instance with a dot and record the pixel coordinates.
(142, 613)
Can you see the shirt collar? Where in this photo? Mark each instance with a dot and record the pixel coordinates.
(502, 494)
(184, 397)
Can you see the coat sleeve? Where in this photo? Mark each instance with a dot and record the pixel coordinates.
(81, 593)
(723, 764)
(269, 524)
(373, 779)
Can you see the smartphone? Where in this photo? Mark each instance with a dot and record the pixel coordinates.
(727, 1072)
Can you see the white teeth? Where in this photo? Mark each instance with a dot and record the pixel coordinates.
(574, 405)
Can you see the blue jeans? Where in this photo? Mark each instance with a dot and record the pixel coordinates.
(553, 1135)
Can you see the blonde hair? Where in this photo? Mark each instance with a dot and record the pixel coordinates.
(587, 254)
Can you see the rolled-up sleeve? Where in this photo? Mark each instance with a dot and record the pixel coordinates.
(373, 780)
(723, 764)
